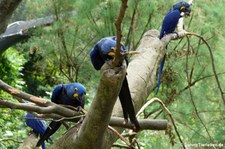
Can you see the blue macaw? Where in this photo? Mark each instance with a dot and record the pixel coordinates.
(168, 26)
(99, 54)
(38, 126)
(72, 94)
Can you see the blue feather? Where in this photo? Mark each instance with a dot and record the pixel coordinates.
(160, 74)
(178, 5)
(170, 22)
(64, 94)
(38, 126)
(168, 26)
(99, 54)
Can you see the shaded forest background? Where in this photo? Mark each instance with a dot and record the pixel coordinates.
(59, 53)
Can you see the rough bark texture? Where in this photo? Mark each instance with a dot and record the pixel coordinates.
(30, 142)
(7, 7)
(92, 130)
(141, 78)
(141, 75)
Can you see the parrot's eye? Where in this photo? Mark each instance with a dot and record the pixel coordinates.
(76, 89)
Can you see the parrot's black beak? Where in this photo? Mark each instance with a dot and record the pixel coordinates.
(188, 12)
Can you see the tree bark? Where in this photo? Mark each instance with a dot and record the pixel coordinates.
(7, 8)
(141, 75)
(30, 142)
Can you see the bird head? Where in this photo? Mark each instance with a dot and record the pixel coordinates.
(75, 90)
(108, 49)
(184, 7)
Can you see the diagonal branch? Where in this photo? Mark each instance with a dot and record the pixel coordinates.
(169, 114)
(175, 36)
(212, 62)
(190, 92)
(142, 71)
(15, 92)
(94, 126)
(44, 103)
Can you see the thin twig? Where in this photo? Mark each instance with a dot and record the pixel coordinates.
(212, 62)
(118, 22)
(167, 111)
(120, 136)
(179, 92)
(190, 92)
(120, 146)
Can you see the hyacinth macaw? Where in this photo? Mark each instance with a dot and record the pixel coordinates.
(168, 26)
(72, 94)
(38, 126)
(99, 54)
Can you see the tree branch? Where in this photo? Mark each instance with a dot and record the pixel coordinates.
(118, 55)
(171, 118)
(46, 105)
(91, 132)
(30, 142)
(166, 39)
(7, 8)
(145, 124)
(212, 62)
(142, 71)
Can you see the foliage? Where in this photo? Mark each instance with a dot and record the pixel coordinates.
(10, 123)
(11, 65)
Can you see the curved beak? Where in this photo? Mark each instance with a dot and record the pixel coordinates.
(188, 12)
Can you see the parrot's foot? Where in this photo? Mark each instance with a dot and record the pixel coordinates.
(136, 127)
(132, 133)
(125, 121)
(123, 53)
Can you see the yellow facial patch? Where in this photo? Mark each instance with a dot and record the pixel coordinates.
(112, 53)
(75, 95)
(181, 8)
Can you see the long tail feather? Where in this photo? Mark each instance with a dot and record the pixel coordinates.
(52, 128)
(127, 104)
(160, 74)
(123, 104)
(43, 146)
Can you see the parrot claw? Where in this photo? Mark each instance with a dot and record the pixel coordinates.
(132, 133)
(125, 121)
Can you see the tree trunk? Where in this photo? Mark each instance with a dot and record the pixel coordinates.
(7, 7)
(141, 74)
(30, 142)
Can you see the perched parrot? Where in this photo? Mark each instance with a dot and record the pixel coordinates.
(66, 94)
(169, 24)
(38, 126)
(99, 54)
